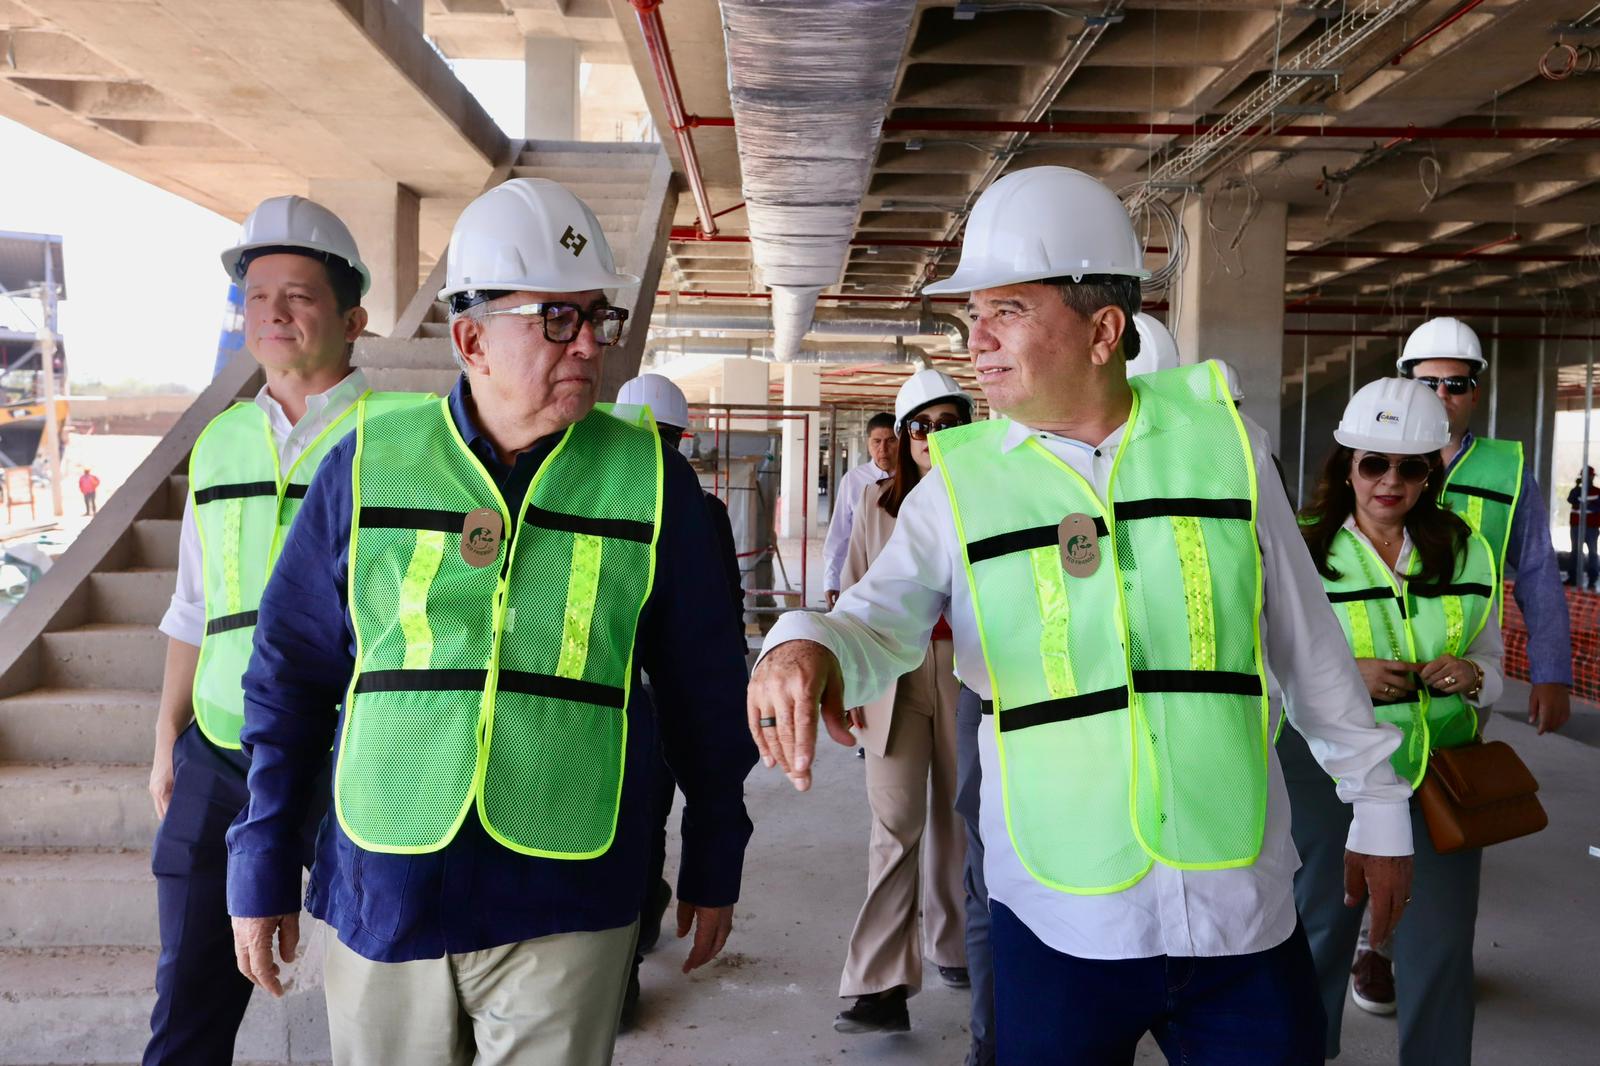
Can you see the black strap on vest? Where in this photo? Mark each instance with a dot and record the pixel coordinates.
(242, 620)
(529, 684)
(615, 528)
(1116, 699)
(1467, 588)
(413, 518)
(1380, 592)
(235, 491)
(1487, 494)
(1126, 511)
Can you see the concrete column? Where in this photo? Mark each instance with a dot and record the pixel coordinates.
(745, 381)
(802, 387)
(382, 217)
(1231, 304)
(552, 88)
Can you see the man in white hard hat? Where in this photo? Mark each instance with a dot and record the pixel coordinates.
(669, 407)
(878, 467)
(1136, 828)
(1488, 483)
(479, 582)
(302, 280)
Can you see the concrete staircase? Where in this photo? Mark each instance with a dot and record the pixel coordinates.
(80, 675)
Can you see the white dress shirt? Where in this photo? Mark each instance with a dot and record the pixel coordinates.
(837, 544)
(185, 619)
(880, 628)
(1487, 649)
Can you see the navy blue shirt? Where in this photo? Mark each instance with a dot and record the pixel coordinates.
(475, 893)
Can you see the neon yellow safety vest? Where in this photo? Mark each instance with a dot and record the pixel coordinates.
(1483, 488)
(502, 685)
(243, 504)
(1130, 706)
(1416, 624)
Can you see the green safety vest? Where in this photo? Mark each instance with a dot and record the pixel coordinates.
(1416, 624)
(1130, 706)
(1483, 488)
(503, 686)
(243, 505)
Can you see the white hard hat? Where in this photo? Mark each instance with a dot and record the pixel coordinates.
(1394, 415)
(928, 387)
(1231, 376)
(1157, 349)
(529, 234)
(1442, 338)
(665, 400)
(295, 222)
(1044, 222)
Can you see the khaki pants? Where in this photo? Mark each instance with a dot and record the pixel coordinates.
(553, 1001)
(885, 948)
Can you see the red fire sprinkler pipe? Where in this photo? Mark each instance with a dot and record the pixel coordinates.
(655, 42)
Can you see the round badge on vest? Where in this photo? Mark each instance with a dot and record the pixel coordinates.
(1080, 545)
(481, 534)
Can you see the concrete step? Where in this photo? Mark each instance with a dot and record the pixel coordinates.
(588, 183)
(78, 805)
(102, 653)
(155, 541)
(138, 595)
(434, 329)
(69, 899)
(177, 493)
(438, 382)
(95, 725)
(92, 1005)
(609, 157)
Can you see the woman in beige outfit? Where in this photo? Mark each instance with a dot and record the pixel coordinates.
(909, 737)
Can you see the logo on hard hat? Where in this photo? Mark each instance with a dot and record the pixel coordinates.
(1388, 418)
(574, 240)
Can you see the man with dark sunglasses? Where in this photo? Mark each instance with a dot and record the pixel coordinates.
(1489, 485)
(463, 610)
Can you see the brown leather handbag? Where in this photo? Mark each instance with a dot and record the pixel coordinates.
(1479, 794)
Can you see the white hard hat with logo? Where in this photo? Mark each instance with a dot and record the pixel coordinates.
(295, 222)
(1231, 376)
(1394, 415)
(666, 401)
(927, 387)
(529, 235)
(1157, 349)
(1044, 222)
(1442, 338)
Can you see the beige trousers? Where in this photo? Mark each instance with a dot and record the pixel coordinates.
(885, 947)
(553, 1001)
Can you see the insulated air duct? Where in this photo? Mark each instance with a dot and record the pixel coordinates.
(911, 322)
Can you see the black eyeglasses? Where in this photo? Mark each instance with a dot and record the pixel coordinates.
(1455, 384)
(919, 428)
(1414, 469)
(562, 321)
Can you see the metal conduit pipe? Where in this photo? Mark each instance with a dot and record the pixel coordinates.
(910, 322)
(854, 353)
(655, 43)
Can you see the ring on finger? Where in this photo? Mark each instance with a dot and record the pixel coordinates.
(768, 723)
(1449, 680)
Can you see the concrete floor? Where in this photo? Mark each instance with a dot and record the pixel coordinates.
(771, 998)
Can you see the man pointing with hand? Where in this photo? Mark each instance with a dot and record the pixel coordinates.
(1120, 567)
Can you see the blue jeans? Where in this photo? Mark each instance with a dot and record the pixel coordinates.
(1053, 1009)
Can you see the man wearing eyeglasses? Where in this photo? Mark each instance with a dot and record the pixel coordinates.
(1490, 486)
(479, 582)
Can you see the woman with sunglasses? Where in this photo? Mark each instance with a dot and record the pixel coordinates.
(909, 734)
(1414, 590)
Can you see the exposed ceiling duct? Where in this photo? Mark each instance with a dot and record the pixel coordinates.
(910, 322)
(856, 353)
(810, 81)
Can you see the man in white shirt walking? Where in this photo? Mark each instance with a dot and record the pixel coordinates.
(881, 449)
(1092, 552)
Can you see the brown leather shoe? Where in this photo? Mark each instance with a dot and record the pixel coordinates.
(1372, 983)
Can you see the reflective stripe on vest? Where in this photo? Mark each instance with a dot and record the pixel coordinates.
(1418, 627)
(1483, 487)
(504, 686)
(1130, 704)
(243, 505)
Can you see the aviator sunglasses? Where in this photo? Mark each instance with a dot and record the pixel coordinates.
(1413, 469)
(1455, 385)
(919, 428)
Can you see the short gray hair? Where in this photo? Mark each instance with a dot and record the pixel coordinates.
(1094, 291)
